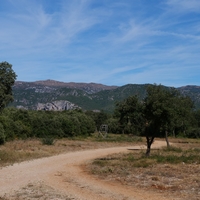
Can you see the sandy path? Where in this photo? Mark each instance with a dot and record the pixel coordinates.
(65, 174)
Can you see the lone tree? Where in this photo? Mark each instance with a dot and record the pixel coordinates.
(165, 110)
(7, 79)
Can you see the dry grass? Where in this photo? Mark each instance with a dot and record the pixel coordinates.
(36, 191)
(21, 150)
(179, 180)
(178, 176)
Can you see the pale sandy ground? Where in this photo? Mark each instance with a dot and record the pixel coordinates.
(62, 177)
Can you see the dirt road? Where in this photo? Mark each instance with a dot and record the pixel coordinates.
(64, 175)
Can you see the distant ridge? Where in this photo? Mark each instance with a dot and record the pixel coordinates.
(88, 96)
(90, 87)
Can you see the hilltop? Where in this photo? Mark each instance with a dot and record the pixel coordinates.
(55, 95)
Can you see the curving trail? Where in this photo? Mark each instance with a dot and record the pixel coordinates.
(65, 174)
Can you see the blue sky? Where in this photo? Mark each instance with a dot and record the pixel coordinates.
(113, 42)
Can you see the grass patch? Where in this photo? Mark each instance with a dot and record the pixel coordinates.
(173, 149)
(130, 158)
(171, 155)
(175, 159)
(112, 138)
(48, 141)
(143, 163)
(196, 150)
(118, 138)
(101, 163)
(11, 157)
(21, 150)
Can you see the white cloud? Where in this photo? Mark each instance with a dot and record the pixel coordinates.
(35, 28)
(100, 41)
(184, 5)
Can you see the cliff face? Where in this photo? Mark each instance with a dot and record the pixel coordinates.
(57, 106)
(55, 95)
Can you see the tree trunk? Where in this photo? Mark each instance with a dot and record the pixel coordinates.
(149, 143)
(166, 138)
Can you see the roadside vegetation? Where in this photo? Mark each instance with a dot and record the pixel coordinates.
(174, 171)
(19, 150)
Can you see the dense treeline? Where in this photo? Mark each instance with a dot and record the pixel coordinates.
(162, 113)
(18, 123)
(164, 110)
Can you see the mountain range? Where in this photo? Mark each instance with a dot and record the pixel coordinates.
(55, 95)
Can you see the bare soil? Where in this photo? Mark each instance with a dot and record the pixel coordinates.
(67, 175)
(63, 177)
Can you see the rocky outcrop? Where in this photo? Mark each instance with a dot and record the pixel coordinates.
(89, 96)
(57, 106)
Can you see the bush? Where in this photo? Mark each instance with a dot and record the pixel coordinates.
(41, 124)
(193, 133)
(2, 135)
(47, 141)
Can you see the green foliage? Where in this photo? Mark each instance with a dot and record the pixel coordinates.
(100, 162)
(25, 95)
(175, 159)
(197, 117)
(193, 132)
(2, 134)
(113, 125)
(130, 158)
(167, 110)
(45, 124)
(173, 156)
(47, 141)
(163, 111)
(103, 100)
(130, 115)
(143, 163)
(7, 79)
(173, 149)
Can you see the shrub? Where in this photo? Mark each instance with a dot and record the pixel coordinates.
(47, 141)
(2, 135)
(193, 133)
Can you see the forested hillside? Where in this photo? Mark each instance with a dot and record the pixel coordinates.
(155, 109)
(89, 96)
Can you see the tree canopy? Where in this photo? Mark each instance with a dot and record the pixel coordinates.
(129, 112)
(163, 111)
(7, 79)
(166, 110)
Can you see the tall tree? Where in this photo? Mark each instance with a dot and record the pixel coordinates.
(7, 79)
(165, 109)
